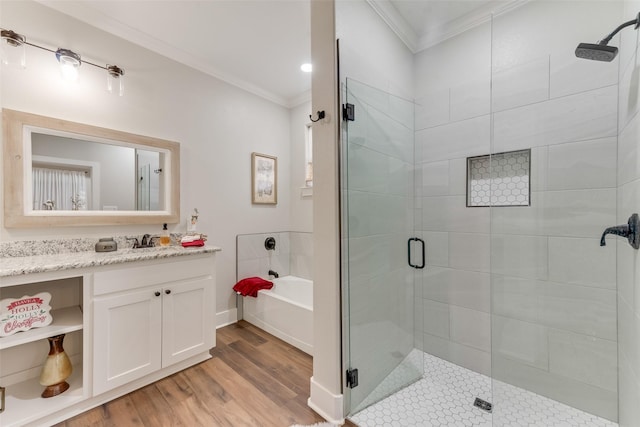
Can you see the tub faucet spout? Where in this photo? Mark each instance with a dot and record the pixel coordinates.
(273, 273)
(618, 230)
(630, 230)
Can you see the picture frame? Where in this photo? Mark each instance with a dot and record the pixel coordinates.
(264, 179)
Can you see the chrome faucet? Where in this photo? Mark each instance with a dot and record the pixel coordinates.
(146, 242)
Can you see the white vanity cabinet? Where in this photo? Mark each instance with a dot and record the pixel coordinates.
(129, 322)
(164, 316)
(126, 338)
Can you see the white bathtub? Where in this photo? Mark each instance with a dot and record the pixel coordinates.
(286, 311)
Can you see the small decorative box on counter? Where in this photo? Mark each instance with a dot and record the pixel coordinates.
(24, 313)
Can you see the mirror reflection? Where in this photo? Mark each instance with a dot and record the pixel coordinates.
(75, 174)
(61, 173)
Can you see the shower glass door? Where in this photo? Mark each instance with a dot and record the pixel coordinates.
(378, 223)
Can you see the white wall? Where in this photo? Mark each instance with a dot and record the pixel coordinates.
(545, 320)
(370, 52)
(301, 207)
(217, 125)
(326, 384)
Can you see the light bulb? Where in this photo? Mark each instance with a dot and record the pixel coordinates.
(69, 64)
(307, 68)
(69, 72)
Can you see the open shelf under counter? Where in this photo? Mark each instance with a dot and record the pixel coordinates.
(65, 320)
(23, 403)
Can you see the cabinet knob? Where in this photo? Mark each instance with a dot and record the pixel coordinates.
(157, 293)
(167, 291)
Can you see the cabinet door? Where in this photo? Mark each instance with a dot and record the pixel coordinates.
(188, 321)
(127, 337)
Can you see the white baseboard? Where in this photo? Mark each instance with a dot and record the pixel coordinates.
(328, 405)
(225, 318)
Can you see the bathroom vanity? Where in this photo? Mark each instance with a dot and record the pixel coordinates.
(131, 317)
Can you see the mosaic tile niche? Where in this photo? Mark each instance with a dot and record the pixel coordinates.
(499, 179)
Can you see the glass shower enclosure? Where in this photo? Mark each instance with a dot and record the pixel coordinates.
(503, 174)
(384, 255)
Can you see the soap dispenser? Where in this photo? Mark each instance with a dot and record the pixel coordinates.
(165, 239)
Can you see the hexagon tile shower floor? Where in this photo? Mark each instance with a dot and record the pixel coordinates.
(445, 397)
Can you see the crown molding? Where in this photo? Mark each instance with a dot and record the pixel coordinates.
(396, 22)
(436, 35)
(302, 98)
(467, 22)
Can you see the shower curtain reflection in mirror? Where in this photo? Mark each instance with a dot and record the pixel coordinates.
(60, 189)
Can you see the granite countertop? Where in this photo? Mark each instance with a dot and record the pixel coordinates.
(47, 261)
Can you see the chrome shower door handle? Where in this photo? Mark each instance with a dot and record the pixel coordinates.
(416, 239)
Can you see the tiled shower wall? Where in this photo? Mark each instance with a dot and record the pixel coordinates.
(293, 255)
(628, 203)
(525, 294)
(453, 123)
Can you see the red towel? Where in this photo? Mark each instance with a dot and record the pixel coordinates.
(251, 285)
(198, 242)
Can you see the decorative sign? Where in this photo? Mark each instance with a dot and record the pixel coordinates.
(24, 313)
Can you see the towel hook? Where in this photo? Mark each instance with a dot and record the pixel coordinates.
(321, 115)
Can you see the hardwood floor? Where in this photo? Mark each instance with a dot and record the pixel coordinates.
(253, 379)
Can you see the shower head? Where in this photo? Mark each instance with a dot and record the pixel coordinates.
(600, 51)
(596, 52)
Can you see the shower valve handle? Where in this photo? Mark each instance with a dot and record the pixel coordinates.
(630, 230)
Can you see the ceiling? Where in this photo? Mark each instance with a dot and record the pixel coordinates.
(259, 45)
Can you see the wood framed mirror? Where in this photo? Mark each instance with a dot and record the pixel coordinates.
(59, 173)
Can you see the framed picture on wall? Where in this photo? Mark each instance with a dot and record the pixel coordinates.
(264, 179)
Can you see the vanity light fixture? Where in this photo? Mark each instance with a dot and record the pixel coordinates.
(12, 48)
(115, 79)
(12, 51)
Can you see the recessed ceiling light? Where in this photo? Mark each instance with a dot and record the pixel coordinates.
(306, 68)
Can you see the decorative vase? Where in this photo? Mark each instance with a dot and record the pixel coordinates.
(57, 368)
